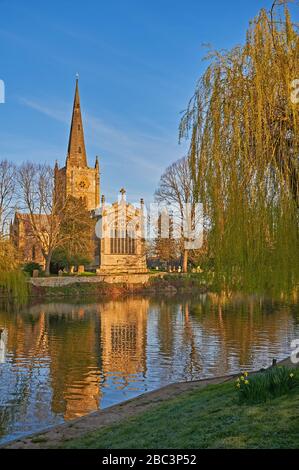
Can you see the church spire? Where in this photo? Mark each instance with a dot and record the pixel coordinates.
(76, 154)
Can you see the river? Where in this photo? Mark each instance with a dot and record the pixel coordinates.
(61, 360)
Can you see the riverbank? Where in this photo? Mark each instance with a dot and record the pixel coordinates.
(114, 285)
(200, 414)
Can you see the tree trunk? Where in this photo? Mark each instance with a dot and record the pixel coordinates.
(185, 261)
(48, 263)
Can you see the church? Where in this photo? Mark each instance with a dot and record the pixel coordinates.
(119, 236)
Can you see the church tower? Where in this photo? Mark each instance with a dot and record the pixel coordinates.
(76, 178)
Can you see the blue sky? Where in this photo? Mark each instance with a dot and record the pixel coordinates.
(138, 63)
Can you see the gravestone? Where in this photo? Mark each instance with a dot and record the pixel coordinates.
(81, 269)
(35, 273)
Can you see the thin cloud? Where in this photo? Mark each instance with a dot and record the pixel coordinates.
(58, 115)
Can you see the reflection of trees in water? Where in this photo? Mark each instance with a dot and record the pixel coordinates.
(165, 330)
(247, 325)
(26, 345)
(51, 339)
(176, 339)
(74, 366)
(214, 334)
(189, 337)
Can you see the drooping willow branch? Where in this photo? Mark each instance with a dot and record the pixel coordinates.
(244, 148)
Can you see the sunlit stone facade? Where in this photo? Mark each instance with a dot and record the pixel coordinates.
(120, 229)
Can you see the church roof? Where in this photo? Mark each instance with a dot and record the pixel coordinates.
(25, 217)
(76, 154)
(41, 220)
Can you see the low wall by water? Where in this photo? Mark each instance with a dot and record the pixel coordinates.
(137, 278)
(114, 284)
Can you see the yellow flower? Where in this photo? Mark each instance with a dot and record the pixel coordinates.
(238, 380)
(246, 382)
(242, 378)
(291, 375)
(238, 385)
(246, 374)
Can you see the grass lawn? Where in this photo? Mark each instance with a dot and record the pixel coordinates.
(208, 418)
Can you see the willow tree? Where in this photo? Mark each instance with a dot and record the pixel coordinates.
(13, 285)
(244, 145)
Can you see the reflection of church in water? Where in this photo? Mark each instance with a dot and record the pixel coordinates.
(110, 345)
(123, 327)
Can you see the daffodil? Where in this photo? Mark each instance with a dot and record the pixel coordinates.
(246, 374)
(242, 378)
(246, 382)
(291, 375)
(238, 380)
(238, 385)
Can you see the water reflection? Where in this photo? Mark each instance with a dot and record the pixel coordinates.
(65, 360)
(3, 342)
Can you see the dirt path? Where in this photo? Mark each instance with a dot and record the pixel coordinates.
(112, 415)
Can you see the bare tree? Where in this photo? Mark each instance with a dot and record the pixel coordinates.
(7, 194)
(176, 189)
(167, 248)
(46, 215)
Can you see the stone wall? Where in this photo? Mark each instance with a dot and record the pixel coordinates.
(110, 279)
